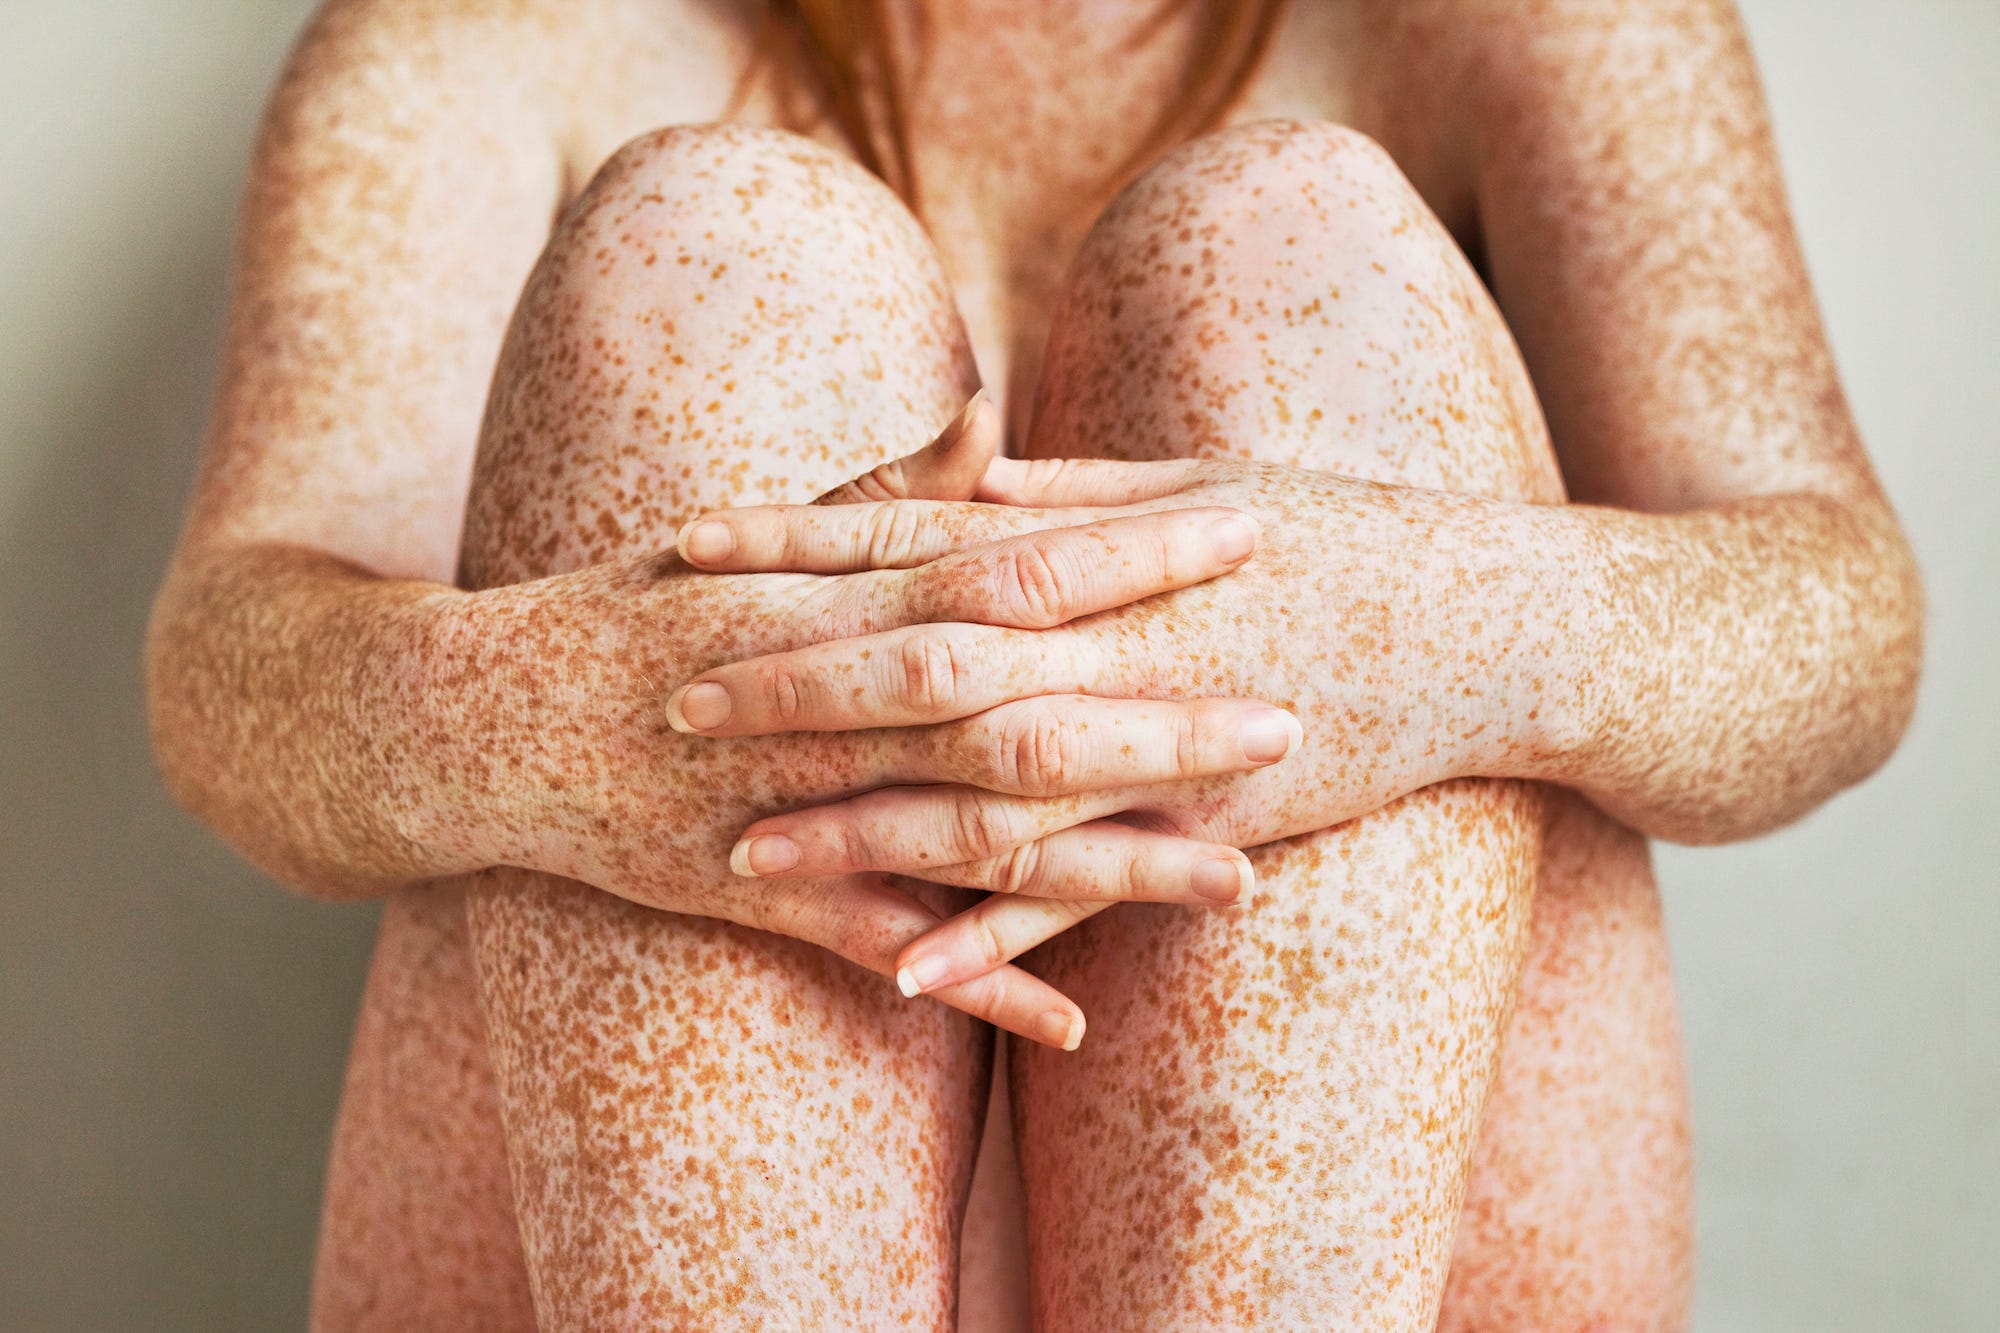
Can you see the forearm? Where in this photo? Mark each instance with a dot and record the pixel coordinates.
(284, 688)
(1738, 664)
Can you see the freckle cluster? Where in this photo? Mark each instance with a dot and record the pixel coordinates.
(703, 1117)
(1274, 1120)
(1281, 1104)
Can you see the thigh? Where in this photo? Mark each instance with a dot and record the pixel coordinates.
(417, 1225)
(708, 1126)
(1277, 1105)
(1579, 1214)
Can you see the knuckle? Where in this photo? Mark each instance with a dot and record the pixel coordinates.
(885, 481)
(1169, 549)
(1187, 742)
(996, 759)
(986, 940)
(1049, 473)
(785, 692)
(853, 849)
(1028, 588)
(1018, 869)
(981, 826)
(1132, 874)
(891, 536)
(932, 675)
(1046, 756)
(985, 999)
(793, 911)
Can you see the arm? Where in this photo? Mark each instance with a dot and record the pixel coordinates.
(350, 721)
(1722, 635)
(1752, 604)
(401, 185)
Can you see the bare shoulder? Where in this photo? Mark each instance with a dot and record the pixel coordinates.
(571, 72)
(411, 159)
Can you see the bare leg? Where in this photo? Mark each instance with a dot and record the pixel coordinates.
(417, 1227)
(1579, 1215)
(1271, 1124)
(710, 1127)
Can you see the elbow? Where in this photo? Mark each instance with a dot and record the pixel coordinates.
(1866, 694)
(1892, 613)
(1841, 712)
(174, 727)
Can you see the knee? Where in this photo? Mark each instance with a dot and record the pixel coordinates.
(730, 167)
(1274, 202)
(682, 204)
(1292, 299)
(725, 314)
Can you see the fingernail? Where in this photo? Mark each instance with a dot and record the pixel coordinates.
(1221, 881)
(1269, 735)
(921, 975)
(765, 854)
(1060, 1029)
(1234, 537)
(706, 542)
(700, 707)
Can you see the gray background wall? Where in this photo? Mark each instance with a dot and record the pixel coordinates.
(172, 1028)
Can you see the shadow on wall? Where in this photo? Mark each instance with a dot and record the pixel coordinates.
(174, 1024)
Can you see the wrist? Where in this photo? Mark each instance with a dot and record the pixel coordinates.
(1577, 594)
(1543, 633)
(436, 669)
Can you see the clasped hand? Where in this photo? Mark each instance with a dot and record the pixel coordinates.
(1089, 697)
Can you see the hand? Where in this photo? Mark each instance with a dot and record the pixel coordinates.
(555, 753)
(1394, 622)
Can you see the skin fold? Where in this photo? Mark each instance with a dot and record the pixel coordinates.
(1425, 1069)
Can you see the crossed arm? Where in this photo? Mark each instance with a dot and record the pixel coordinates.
(1724, 633)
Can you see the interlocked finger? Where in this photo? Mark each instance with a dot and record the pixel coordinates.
(1108, 861)
(895, 678)
(865, 918)
(907, 829)
(847, 538)
(1042, 579)
(1063, 744)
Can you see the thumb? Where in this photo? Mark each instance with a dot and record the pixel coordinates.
(948, 468)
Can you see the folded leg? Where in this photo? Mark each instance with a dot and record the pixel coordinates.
(1272, 1122)
(711, 1127)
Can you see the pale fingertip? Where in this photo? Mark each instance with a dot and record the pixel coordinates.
(702, 706)
(919, 976)
(1217, 881)
(675, 718)
(1233, 537)
(925, 973)
(1061, 1030)
(764, 854)
(1269, 734)
(706, 542)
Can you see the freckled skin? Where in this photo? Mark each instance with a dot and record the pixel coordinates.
(707, 1123)
(1291, 1092)
(707, 1126)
